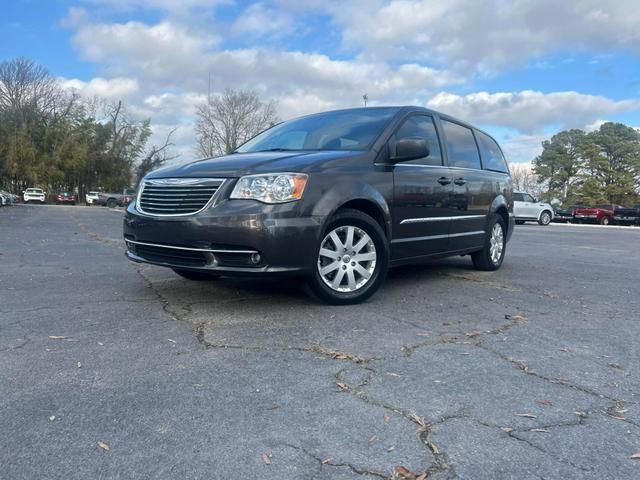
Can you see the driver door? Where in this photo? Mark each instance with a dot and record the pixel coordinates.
(422, 192)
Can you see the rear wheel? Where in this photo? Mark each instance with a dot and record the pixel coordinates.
(605, 221)
(491, 256)
(195, 275)
(111, 203)
(351, 260)
(545, 218)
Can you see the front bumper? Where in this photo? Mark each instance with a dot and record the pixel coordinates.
(224, 237)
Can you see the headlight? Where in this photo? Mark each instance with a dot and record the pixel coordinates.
(271, 187)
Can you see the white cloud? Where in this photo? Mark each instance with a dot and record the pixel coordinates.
(118, 88)
(258, 20)
(530, 111)
(481, 36)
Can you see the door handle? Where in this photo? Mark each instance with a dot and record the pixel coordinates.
(460, 181)
(444, 181)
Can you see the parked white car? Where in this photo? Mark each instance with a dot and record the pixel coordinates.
(528, 209)
(34, 195)
(91, 197)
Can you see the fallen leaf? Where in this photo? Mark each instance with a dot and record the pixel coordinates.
(391, 449)
(393, 374)
(79, 365)
(386, 418)
(172, 341)
(526, 415)
(422, 476)
(518, 318)
(542, 430)
(327, 460)
(423, 334)
(266, 459)
(635, 456)
(57, 337)
(373, 438)
(343, 386)
(52, 418)
(581, 414)
(545, 402)
(404, 472)
(507, 429)
(103, 445)
(616, 365)
(100, 343)
(473, 334)
(273, 407)
(434, 448)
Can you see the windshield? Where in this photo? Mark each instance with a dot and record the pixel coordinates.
(352, 129)
(34, 190)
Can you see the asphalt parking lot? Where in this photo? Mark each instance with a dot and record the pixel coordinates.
(115, 370)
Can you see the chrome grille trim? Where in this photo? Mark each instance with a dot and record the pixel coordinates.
(177, 197)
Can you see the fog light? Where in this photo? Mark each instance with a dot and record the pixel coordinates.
(255, 258)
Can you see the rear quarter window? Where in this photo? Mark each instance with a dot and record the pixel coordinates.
(462, 150)
(492, 158)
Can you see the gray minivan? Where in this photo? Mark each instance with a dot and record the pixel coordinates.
(336, 197)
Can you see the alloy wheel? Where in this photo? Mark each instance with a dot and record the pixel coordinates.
(347, 259)
(496, 245)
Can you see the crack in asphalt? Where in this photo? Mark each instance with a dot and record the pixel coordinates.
(328, 463)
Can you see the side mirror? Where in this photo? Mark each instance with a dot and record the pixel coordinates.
(410, 148)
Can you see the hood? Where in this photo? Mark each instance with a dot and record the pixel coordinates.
(239, 164)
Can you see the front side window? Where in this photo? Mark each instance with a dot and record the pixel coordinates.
(354, 129)
(422, 126)
(492, 158)
(518, 197)
(528, 198)
(462, 150)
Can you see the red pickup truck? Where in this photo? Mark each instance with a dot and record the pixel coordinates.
(602, 214)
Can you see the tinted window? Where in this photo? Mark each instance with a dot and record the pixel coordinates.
(517, 197)
(352, 129)
(461, 146)
(422, 126)
(492, 158)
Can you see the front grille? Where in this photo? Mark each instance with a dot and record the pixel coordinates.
(176, 196)
(187, 258)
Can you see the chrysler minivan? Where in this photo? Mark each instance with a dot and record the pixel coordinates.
(336, 197)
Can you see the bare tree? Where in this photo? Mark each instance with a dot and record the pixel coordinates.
(156, 157)
(226, 121)
(524, 180)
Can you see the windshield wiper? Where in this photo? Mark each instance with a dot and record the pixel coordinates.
(276, 150)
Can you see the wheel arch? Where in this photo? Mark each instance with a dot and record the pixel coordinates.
(362, 197)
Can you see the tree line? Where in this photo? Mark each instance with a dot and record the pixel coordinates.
(602, 166)
(54, 139)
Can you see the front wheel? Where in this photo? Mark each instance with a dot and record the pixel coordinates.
(495, 245)
(195, 275)
(545, 218)
(351, 259)
(111, 203)
(605, 221)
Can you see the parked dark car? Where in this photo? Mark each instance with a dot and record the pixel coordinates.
(65, 198)
(565, 215)
(627, 216)
(602, 214)
(337, 197)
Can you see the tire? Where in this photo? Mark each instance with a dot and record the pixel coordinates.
(487, 259)
(605, 221)
(195, 275)
(519, 222)
(545, 218)
(111, 203)
(347, 282)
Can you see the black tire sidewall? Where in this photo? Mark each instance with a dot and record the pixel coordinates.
(370, 226)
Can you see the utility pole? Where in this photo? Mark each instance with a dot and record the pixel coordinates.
(365, 99)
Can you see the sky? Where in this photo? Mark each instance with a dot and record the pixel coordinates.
(521, 69)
